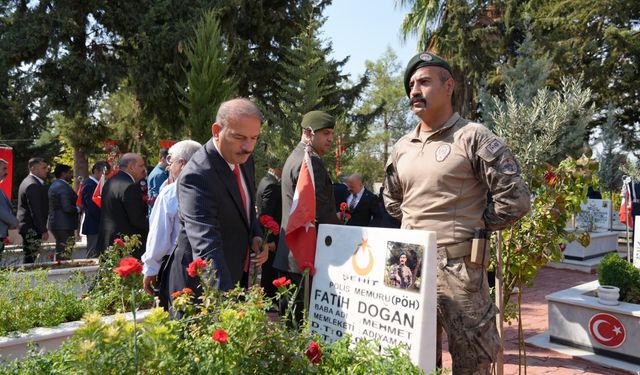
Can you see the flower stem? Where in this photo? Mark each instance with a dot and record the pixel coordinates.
(135, 336)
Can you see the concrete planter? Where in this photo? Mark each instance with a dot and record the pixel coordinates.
(13, 256)
(65, 269)
(48, 338)
(601, 244)
(578, 320)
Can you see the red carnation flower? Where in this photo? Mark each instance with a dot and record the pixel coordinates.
(187, 290)
(344, 206)
(551, 178)
(195, 266)
(313, 353)
(348, 216)
(128, 266)
(221, 336)
(264, 219)
(6, 240)
(175, 295)
(309, 265)
(281, 282)
(118, 242)
(273, 227)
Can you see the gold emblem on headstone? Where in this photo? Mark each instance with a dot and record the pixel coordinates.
(363, 248)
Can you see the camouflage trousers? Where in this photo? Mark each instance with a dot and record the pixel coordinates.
(467, 314)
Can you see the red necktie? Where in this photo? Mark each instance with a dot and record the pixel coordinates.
(236, 171)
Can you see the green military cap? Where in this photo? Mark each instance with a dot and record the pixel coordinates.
(421, 60)
(317, 120)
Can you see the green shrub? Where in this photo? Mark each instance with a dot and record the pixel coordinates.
(616, 271)
(28, 300)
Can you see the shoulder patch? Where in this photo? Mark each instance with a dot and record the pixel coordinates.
(494, 146)
(509, 166)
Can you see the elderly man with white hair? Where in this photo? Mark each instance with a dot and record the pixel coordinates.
(164, 223)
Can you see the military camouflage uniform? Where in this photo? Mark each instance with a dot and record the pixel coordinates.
(406, 276)
(439, 181)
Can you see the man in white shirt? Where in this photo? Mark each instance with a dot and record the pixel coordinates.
(164, 222)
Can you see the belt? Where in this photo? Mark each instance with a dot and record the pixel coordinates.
(457, 250)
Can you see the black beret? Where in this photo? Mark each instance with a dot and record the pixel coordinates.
(317, 120)
(421, 60)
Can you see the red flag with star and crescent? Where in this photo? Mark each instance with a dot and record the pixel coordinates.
(301, 229)
(97, 192)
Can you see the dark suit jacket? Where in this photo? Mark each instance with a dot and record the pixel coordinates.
(365, 211)
(123, 212)
(91, 223)
(33, 206)
(341, 193)
(214, 226)
(269, 199)
(63, 212)
(325, 201)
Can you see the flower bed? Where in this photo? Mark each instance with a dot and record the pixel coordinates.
(61, 271)
(600, 243)
(48, 338)
(228, 333)
(49, 298)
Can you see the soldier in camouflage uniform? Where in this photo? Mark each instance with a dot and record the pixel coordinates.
(438, 178)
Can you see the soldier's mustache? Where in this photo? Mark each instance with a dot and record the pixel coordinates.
(418, 99)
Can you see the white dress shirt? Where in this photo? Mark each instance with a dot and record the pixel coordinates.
(164, 226)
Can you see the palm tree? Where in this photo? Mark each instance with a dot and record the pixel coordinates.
(468, 33)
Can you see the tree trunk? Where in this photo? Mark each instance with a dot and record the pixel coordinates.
(80, 164)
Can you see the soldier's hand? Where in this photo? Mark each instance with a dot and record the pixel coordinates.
(148, 283)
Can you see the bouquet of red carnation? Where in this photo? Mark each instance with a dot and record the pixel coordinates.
(344, 214)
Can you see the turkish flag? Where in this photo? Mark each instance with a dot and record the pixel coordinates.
(626, 205)
(97, 193)
(79, 195)
(301, 229)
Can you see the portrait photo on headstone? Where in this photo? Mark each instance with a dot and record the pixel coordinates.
(403, 265)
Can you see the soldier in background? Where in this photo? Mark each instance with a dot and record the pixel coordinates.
(437, 178)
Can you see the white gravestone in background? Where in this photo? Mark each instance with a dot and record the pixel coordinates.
(596, 210)
(354, 290)
(636, 241)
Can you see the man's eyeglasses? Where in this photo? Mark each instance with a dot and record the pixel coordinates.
(170, 159)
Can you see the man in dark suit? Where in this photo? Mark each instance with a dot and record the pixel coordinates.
(33, 207)
(91, 222)
(341, 193)
(7, 218)
(317, 134)
(217, 204)
(363, 204)
(63, 212)
(124, 211)
(269, 202)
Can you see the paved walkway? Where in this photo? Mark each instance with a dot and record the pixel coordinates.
(534, 312)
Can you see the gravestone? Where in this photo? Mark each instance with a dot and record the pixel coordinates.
(363, 287)
(596, 212)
